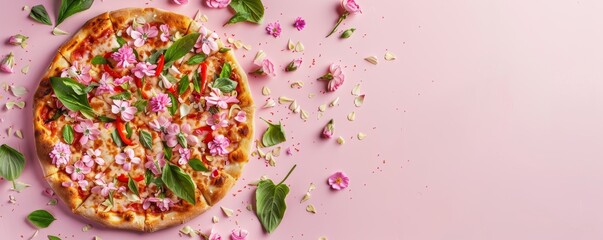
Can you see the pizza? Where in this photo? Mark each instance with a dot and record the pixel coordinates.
(143, 120)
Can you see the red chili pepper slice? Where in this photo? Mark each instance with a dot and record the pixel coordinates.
(172, 90)
(140, 86)
(160, 64)
(138, 178)
(121, 130)
(122, 178)
(110, 71)
(203, 76)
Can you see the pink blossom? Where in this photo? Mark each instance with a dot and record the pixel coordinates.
(293, 65)
(105, 85)
(350, 6)
(122, 80)
(103, 188)
(143, 69)
(207, 42)
(274, 29)
(18, 39)
(240, 234)
(93, 156)
(155, 165)
(126, 159)
(160, 124)
(60, 154)
(124, 56)
(8, 63)
(165, 31)
(338, 181)
(289, 151)
(185, 155)
(163, 204)
(299, 23)
(329, 129)
(78, 170)
(160, 102)
(267, 67)
(218, 145)
(123, 107)
(48, 192)
(165, 82)
(79, 71)
(217, 3)
(216, 98)
(67, 184)
(214, 235)
(83, 184)
(179, 2)
(217, 120)
(88, 129)
(142, 33)
(173, 133)
(335, 77)
(241, 116)
(146, 203)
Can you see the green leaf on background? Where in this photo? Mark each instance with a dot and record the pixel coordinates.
(50, 237)
(70, 7)
(68, 134)
(274, 135)
(12, 163)
(179, 182)
(247, 10)
(270, 202)
(40, 218)
(40, 14)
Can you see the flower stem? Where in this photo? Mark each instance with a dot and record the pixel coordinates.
(341, 18)
(290, 171)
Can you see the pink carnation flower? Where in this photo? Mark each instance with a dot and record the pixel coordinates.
(160, 102)
(123, 107)
(338, 181)
(335, 77)
(124, 56)
(126, 159)
(218, 145)
(274, 29)
(142, 33)
(143, 69)
(217, 3)
(60, 154)
(299, 23)
(88, 129)
(329, 129)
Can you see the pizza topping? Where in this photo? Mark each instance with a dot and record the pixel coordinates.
(78, 170)
(165, 32)
(185, 155)
(93, 156)
(7, 64)
(241, 116)
(163, 204)
(217, 120)
(124, 56)
(103, 188)
(124, 109)
(79, 71)
(160, 65)
(160, 124)
(88, 129)
(218, 145)
(216, 98)
(156, 164)
(160, 102)
(126, 159)
(184, 137)
(207, 42)
(60, 154)
(142, 33)
(143, 69)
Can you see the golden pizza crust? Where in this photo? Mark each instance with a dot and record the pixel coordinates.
(176, 215)
(128, 220)
(69, 195)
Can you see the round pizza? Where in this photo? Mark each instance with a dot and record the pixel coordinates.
(143, 120)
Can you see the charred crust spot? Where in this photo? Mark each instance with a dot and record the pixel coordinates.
(236, 156)
(129, 217)
(243, 131)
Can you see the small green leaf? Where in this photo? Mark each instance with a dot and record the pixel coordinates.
(111, 197)
(196, 84)
(167, 152)
(196, 59)
(274, 135)
(270, 202)
(125, 95)
(50, 237)
(347, 33)
(132, 185)
(106, 119)
(40, 14)
(213, 110)
(68, 134)
(179, 182)
(247, 10)
(197, 165)
(98, 59)
(181, 140)
(155, 56)
(183, 85)
(116, 138)
(128, 130)
(226, 70)
(141, 105)
(223, 50)
(174, 107)
(225, 85)
(239, 17)
(70, 7)
(121, 41)
(181, 47)
(146, 139)
(40, 218)
(12, 163)
(148, 177)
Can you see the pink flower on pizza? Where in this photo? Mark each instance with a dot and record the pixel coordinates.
(241, 116)
(165, 32)
(126, 159)
(160, 124)
(217, 3)
(174, 135)
(83, 184)
(142, 33)
(160, 102)
(185, 155)
(124, 109)
(79, 71)
(105, 85)
(60, 154)
(334, 77)
(88, 129)
(124, 56)
(78, 170)
(338, 181)
(274, 29)
(155, 164)
(239, 234)
(103, 188)
(122, 80)
(143, 69)
(93, 156)
(217, 120)
(163, 204)
(216, 98)
(218, 145)
(207, 42)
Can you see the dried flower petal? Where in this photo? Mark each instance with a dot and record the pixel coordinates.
(372, 60)
(19, 134)
(359, 100)
(334, 102)
(188, 230)
(57, 31)
(52, 202)
(352, 116)
(361, 136)
(266, 91)
(293, 105)
(230, 40)
(304, 115)
(298, 84)
(18, 91)
(306, 197)
(238, 44)
(389, 56)
(290, 45)
(12, 199)
(322, 107)
(249, 207)
(312, 187)
(299, 47)
(25, 69)
(310, 208)
(356, 90)
(283, 99)
(340, 140)
(34, 234)
(323, 238)
(86, 227)
(227, 211)
(215, 219)
(276, 151)
(269, 103)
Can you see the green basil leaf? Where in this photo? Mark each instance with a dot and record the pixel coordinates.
(155, 56)
(90, 87)
(181, 140)
(50, 237)
(181, 47)
(12, 163)
(174, 108)
(226, 70)
(128, 130)
(121, 41)
(40, 218)
(98, 59)
(68, 134)
(225, 85)
(196, 84)
(125, 95)
(70, 7)
(183, 85)
(270, 202)
(274, 135)
(72, 95)
(239, 17)
(250, 10)
(197, 165)
(167, 152)
(141, 105)
(148, 177)
(213, 110)
(56, 115)
(196, 59)
(106, 119)
(40, 14)
(116, 138)
(146, 139)
(179, 182)
(132, 185)
(111, 197)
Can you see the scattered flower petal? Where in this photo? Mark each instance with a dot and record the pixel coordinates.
(299, 47)
(8, 63)
(290, 45)
(356, 90)
(359, 100)
(269, 103)
(340, 140)
(227, 211)
(284, 99)
(57, 31)
(217, 3)
(304, 115)
(389, 56)
(18, 186)
(306, 197)
(372, 60)
(328, 130)
(215, 219)
(352, 116)
(25, 69)
(188, 230)
(18, 91)
(265, 91)
(297, 84)
(334, 102)
(18, 40)
(311, 209)
(361, 136)
(322, 107)
(86, 228)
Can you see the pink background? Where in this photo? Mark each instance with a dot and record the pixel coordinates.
(487, 126)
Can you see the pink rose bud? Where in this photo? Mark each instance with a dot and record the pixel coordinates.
(18, 40)
(217, 3)
(350, 6)
(48, 192)
(329, 129)
(293, 65)
(8, 63)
